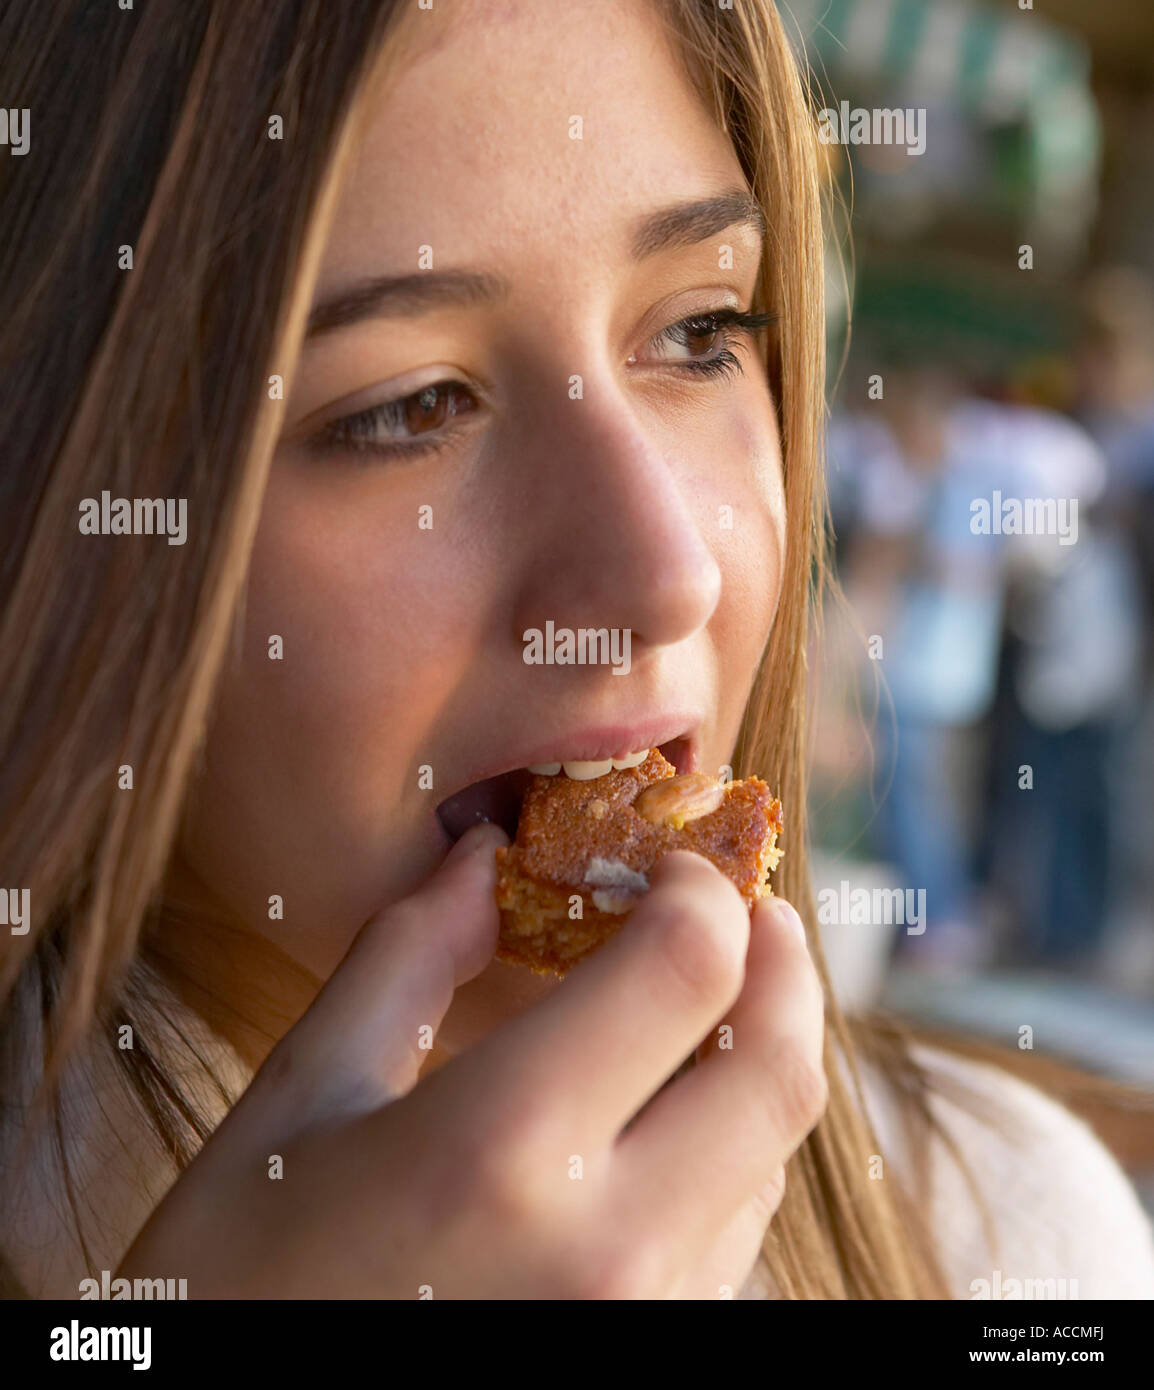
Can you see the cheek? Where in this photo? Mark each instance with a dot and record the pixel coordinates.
(311, 763)
(358, 592)
(752, 552)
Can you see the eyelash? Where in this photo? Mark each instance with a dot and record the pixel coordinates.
(356, 433)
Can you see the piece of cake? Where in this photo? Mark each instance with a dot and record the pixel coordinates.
(581, 858)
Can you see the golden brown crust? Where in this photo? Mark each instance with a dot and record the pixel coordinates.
(586, 841)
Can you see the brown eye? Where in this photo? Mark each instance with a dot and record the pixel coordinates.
(429, 408)
(706, 336)
(390, 427)
(714, 333)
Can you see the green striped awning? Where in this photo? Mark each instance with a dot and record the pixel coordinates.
(1000, 62)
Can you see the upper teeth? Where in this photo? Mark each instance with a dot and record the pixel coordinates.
(581, 771)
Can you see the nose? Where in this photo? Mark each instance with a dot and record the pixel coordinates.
(617, 537)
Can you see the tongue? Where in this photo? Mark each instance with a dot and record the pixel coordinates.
(498, 800)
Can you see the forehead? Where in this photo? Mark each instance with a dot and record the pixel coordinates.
(469, 143)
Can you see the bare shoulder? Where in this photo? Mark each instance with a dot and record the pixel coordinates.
(1064, 1215)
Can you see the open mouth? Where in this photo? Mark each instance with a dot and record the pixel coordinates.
(498, 799)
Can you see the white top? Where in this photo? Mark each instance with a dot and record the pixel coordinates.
(1062, 1207)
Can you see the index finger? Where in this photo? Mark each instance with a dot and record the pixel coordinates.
(609, 1037)
(723, 1131)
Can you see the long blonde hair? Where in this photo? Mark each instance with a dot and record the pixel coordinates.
(152, 381)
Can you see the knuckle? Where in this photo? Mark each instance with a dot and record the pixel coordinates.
(303, 1079)
(508, 1157)
(770, 1195)
(521, 1126)
(802, 1090)
(400, 919)
(284, 1078)
(281, 1067)
(486, 1178)
(702, 954)
(620, 1274)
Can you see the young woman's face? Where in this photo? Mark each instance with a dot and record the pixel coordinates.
(526, 171)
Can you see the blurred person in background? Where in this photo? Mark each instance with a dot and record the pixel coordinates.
(1114, 400)
(1114, 394)
(931, 582)
(1071, 666)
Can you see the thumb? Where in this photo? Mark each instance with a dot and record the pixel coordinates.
(362, 1041)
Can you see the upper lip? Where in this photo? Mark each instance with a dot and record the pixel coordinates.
(590, 745)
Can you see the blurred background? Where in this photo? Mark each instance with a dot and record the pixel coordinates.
(983, 724)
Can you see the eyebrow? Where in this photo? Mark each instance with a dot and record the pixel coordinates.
(407, 296)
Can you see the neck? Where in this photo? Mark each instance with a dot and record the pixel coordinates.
(245, 986)
(251, 991)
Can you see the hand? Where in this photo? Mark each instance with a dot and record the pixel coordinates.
(521, 1168)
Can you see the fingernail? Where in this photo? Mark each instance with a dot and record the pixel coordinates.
(485, 837)
(785, 915)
